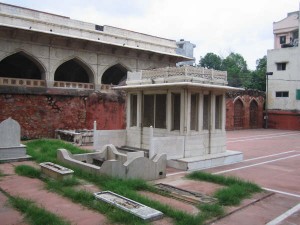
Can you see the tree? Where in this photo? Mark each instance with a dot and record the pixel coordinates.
(258, 77)
(237, 71)
(211, 61)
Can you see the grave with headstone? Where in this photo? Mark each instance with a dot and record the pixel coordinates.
(11, 148)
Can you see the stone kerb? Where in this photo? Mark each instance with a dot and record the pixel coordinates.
(10, 133)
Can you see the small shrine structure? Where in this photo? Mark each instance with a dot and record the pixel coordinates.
(179, 111)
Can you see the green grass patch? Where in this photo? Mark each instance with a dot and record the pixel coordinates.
(211, 210)
(44, 150)
(236, 190)
(34, 214)
(28, 171)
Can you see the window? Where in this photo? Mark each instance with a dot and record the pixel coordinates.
(281, 66)
(218, 112)
(148, 111)
(194, 112)
(206, 111)
(175, 111)
(282, 39)
(155, 111)
(160, 111)
(282, 94)
(133, 110)
(98, 27)
(298, 94)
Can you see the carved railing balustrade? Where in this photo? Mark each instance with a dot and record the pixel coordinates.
(188, 73)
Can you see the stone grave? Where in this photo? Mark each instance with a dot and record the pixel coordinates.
(11, 148)
(55, 171)
(191, 197)
(144, 212)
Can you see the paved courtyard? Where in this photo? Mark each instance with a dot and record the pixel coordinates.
(271, 159)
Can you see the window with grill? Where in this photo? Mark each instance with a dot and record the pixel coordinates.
(282, 94)
(218, 112)
(155, 110)
(282, 39)
(194, 111)
(206, 111)
(133, 110)
(281, 66)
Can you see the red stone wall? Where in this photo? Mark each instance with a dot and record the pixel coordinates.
(285, 120)
(246, 97)
(40, 115)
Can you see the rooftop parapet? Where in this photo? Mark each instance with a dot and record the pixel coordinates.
(36, 21)
(178, 74)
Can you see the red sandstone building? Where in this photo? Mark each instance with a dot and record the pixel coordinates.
(244, 109)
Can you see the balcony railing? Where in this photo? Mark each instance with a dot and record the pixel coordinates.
(66, 84)
(21, 82)
(185, 71)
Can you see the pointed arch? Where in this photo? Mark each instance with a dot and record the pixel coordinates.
(238, 113)
(22, 65)
(253, 114)
(74, 70)
(115, 74)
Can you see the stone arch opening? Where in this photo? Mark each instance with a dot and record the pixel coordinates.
(238, 114)
(115, 75)
(21, 65)
(253, 114)
(74, 70)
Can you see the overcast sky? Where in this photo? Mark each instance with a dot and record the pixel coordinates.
(218, 26)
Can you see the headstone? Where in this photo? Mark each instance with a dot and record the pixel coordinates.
(11, 148)
(10, 133)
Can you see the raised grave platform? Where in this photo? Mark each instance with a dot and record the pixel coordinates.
(56, 171)
(206, 161)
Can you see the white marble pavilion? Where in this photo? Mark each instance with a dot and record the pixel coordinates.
(179, 111)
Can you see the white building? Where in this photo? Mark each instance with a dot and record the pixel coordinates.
(284, 85)
(179, 111)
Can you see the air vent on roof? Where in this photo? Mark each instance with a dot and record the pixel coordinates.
(98, 27)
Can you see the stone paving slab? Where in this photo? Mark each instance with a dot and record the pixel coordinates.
(261, 212)
(8, 214)
(33, 189)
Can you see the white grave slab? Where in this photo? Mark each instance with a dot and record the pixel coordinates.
(128, 205)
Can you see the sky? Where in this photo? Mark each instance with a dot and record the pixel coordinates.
(218, 26)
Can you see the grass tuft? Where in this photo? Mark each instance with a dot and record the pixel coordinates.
(28, 171)
(34, 214)
(43, 150)
(211, 210)
(236, 190)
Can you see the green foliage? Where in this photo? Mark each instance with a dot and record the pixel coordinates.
(232, 195)
(34, 214)
(238, 74)
(28, 171)
(211, 61)
(258, 77)
(211, 210)
(236, 190)
(237, 71)
(44, 150)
